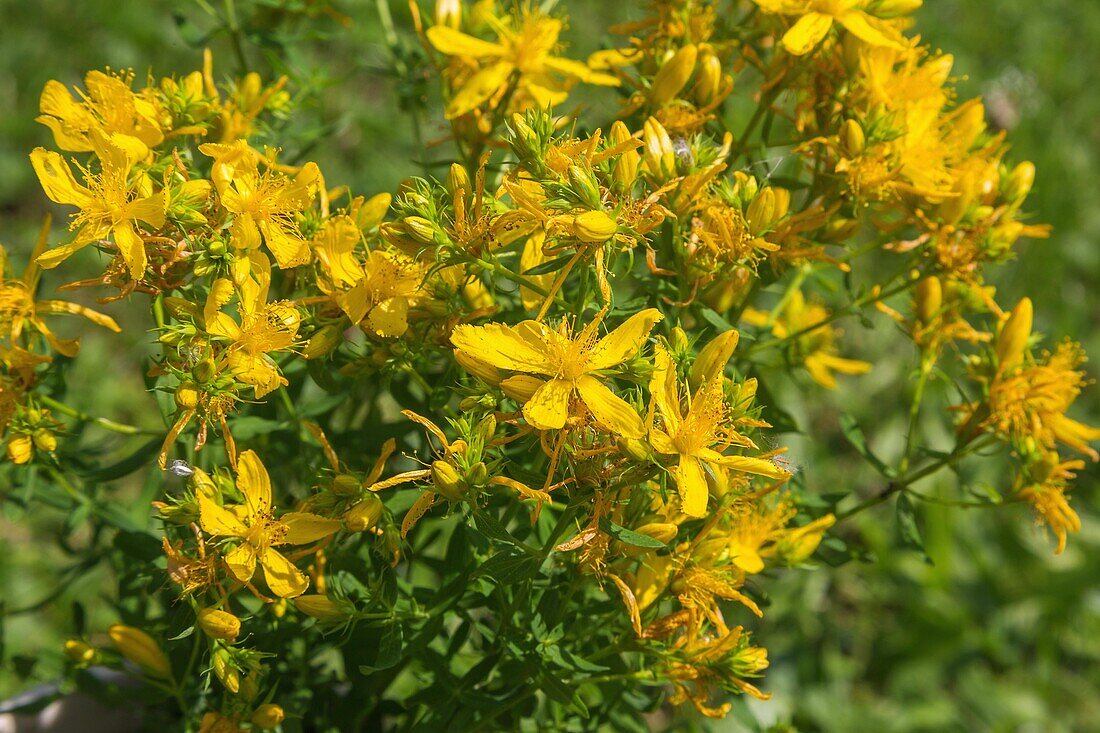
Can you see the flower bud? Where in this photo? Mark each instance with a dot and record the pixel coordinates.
(344, 484)
(487, 428)
(477, 475)
(364, 515)
(929, 299)
(79, 652)
(323, 608)
(852, 139)
(1012, 340)
(420, 229)
(447, 482)
(458, 181)
(708, 82)
(44, 440)
(637, 449)
(141, 649)
(20, 449)
(219, 624)
(659, 156)
(678, 340)
(226, 671)
(323, 341)
(761, 212)
(268, 716)
(583, 182)
(713, 357)
(594, 227)
(1019, 182)
(673, 75)
(204, 371)
(187, 396)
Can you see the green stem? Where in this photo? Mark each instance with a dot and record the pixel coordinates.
(98, 421)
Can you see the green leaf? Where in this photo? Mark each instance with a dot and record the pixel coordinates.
(390, 645)
(854, 434)
(509, 566)
(491, 527)
(140, 458)
(907, 526)
(713, 318)
(547, 267)
(630, 537)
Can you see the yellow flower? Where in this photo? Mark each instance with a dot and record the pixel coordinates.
(110, 107)
(1044, 485)
(525, 48)
(264, 327)
(260, 531)
(388, 285)
(19, 309)
(697, 439)
(111, 203)
(571, 362)
(816, 17)
(263, 202)
(813, 338)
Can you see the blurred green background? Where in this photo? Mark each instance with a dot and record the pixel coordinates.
(995, 633)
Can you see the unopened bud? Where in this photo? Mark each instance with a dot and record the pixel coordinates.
(323, 341)
(346, 485)
(141, 649)
(226, 671)
(761, 212)
(708, 82)
(447, 482)
(1019, 182)
(852, 139)
(673, 75)
(187, 396)
(322, 608)
(1012, 340)
(79, 652)
(268, 716)
(20, 449)
(420, 229)
(219, 624)
(594, 227)
(364, 515)
(44, 440)
(929, 299)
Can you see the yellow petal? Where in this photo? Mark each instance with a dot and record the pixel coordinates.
(806, 33)
(746, 464)
(844, 366)
(664, 392)
(355, 302)
(478, 88)
(284, 580)
(289, 249)
(254, 483)
(416, 511)
(745, 557)
(389, 318)
(861, 25)
(577, 70)
(149, 209)
(691, 483)
(57, 179)
(503, 347)
(64, 306)
(303, 527)
(132, 248)
(622, 343)
(241, 561)
(548, 408)
(609, 409)
(217, 521)
(456, 43)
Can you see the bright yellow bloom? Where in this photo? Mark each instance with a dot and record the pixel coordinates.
(816, 17)
(263, 202)
(388, 285)
(696, 439)
(255, 524)
(572, 364)
(111, 203)
(110, 107)
(1044, 485)
(525, 48)
(813, 339)
(19, 309)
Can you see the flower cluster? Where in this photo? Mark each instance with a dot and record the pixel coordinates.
(570, 335)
